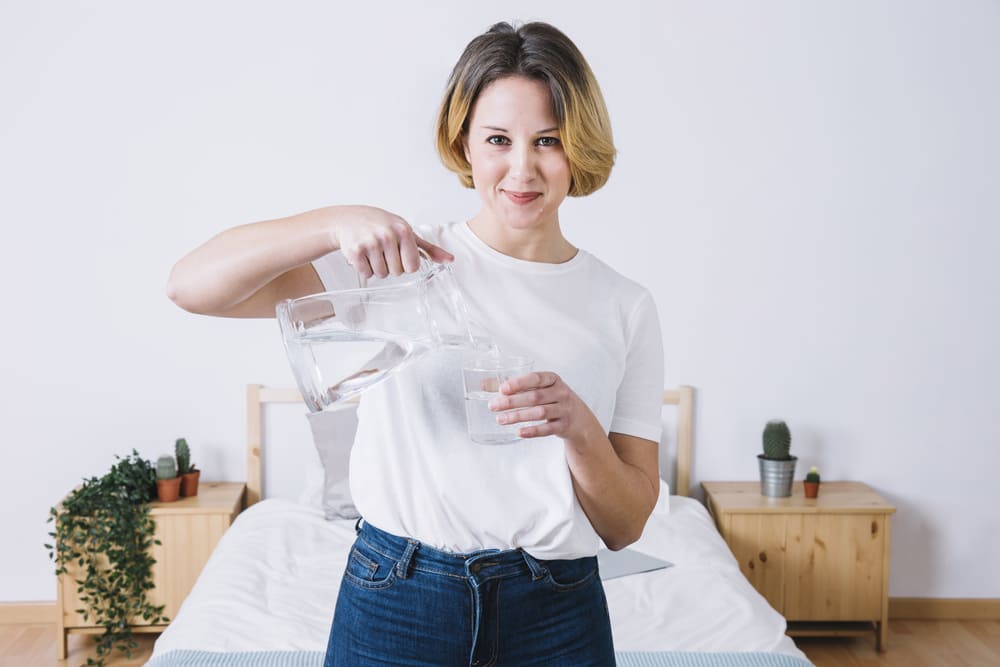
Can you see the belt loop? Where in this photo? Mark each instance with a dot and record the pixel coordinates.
(403, 566)
(537, 569)
(357, 525)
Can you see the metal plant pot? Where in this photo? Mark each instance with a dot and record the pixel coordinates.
(776, 476)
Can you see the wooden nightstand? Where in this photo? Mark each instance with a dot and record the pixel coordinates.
(189, 529)
(822, 563)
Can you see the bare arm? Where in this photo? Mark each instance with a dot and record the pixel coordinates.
(246, 270)
(617, 484)
(615, 476)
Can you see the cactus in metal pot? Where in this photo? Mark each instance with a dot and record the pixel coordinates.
(166, 467)
(777, 440)
(183, 454)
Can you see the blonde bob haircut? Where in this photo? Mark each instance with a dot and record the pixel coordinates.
(541, 52)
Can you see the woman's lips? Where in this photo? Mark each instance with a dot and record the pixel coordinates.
(522, 198)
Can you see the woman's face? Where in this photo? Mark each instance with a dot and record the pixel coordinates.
(519, 167)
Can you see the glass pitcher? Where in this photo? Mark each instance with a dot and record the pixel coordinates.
(343, 342)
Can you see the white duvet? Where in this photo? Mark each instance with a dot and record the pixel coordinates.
(271, 585)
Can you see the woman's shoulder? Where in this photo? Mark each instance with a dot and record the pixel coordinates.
(614, 278)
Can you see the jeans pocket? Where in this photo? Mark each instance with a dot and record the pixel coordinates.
(368, 568)
(569, 575)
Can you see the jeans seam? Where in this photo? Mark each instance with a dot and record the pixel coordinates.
(417, 568)
(565, 588)
(365, 562)
(495, 648)
(379, 551)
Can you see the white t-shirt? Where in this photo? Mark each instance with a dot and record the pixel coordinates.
(415, 472)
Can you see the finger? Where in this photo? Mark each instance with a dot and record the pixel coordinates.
(524, 399)
(529, 381)
(390, 251)
(530, 414)
(360, 263)
(377, 260)
(551, 427)
(409, 254)
(436, 253)
(489, 384)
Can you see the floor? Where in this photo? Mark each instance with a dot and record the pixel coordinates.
(911, 644)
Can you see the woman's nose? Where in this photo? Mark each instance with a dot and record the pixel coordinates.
(522, 161)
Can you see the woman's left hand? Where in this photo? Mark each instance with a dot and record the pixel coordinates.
(543, 396)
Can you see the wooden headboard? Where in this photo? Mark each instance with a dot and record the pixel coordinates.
(258, 396)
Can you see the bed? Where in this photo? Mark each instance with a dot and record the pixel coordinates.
(266, 596)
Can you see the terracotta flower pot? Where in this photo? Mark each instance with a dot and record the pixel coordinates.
(168, 490)
(189, 483)
(811, 489)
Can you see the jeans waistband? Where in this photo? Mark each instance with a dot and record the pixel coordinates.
(413, 555)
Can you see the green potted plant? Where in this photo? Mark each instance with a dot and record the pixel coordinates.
(777, 465)
(811, 483)
(168, 482)
(187, 470)
(103, 534)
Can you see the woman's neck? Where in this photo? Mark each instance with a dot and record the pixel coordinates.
(538, 244)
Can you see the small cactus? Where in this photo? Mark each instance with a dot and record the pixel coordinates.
(777, 441)
(166, 467)
(183, 454)
(813, 475)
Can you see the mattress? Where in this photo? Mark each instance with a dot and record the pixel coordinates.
(267, 594)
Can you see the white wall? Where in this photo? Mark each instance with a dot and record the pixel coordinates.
(809, 189)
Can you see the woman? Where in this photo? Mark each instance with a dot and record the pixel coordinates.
(471, 554)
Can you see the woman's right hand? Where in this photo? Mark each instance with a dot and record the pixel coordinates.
(379, 243)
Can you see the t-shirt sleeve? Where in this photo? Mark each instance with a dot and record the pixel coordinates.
(639, 399)
(335, 272)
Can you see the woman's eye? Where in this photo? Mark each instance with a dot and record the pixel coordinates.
(548, 141)
(497, 140)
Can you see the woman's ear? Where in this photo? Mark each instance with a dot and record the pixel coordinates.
(465, 148)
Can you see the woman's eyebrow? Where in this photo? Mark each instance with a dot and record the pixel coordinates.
(500, 129)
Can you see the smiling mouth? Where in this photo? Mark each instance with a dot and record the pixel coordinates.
(522, 198)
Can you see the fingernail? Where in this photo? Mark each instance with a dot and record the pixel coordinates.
(501, 419)
(493, 404)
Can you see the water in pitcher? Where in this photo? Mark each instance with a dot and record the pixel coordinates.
(339, 365)
(341, 343)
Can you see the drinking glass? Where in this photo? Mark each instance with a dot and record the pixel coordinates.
(482, 374)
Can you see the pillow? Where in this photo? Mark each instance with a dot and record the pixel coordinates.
(333, 434)
(311, 494)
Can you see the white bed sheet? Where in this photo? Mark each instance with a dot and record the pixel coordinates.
(271, 585)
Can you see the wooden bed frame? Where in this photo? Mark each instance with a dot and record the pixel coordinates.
(259, 396)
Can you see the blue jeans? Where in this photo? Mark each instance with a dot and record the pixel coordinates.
(404, 603)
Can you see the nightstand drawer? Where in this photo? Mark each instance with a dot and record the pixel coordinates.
(812, 567)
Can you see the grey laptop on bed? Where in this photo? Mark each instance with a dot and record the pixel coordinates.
(613, 564)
